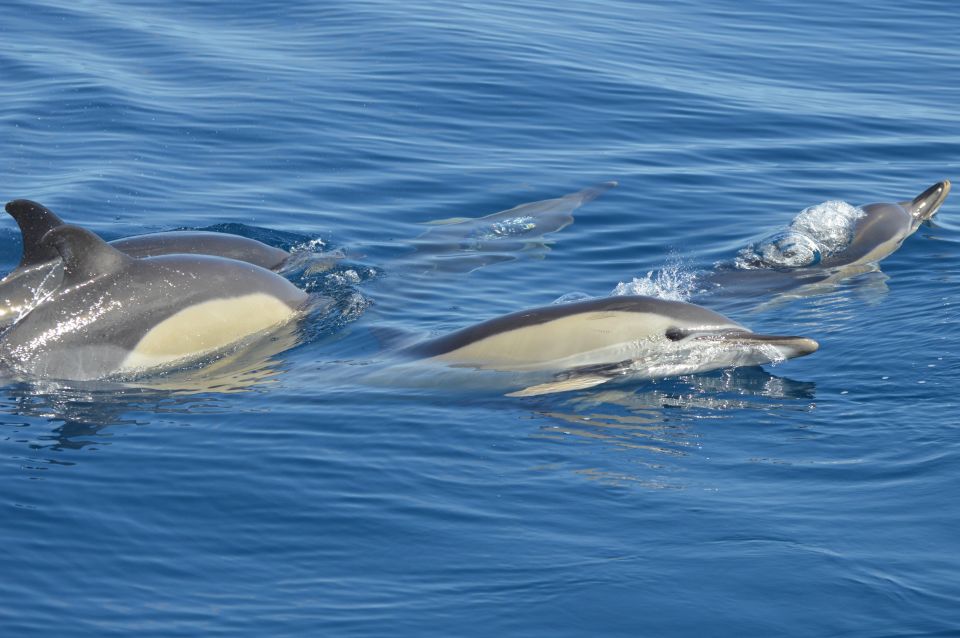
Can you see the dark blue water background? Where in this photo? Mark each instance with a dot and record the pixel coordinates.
(813, 498)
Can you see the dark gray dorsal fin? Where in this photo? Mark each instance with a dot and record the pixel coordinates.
(85, 256)
(34, 220)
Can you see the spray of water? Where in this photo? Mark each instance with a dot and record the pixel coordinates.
(676, 281)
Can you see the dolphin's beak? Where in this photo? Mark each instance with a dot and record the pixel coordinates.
(786, 347)
(925, 205)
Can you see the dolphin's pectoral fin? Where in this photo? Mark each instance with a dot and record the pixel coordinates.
(563, 385)
(577, 379)
(614, 369)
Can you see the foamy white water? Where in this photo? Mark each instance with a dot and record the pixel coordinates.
(675, 282)
(817, 232)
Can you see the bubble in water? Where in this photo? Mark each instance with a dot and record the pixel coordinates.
(830, 224)
(817, 232)
(791, 249)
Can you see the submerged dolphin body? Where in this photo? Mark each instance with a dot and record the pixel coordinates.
(40, 271)
(115, 315)
(590, 342)
(467, 243)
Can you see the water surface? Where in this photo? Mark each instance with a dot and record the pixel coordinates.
(812, 498)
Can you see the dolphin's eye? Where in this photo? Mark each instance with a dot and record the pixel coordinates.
(674, 334)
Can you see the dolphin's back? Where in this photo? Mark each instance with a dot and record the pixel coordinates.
(196, 242)
(875, 235)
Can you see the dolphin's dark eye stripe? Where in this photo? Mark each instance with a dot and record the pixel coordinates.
(674, 334)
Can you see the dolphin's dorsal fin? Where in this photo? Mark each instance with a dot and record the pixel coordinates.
(85, 256)
(34, 221)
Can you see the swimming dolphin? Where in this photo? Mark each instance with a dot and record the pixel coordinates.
(39, 268)
(587, 343)
(876, 231)
(468, 243)
(115, 315)
(883, 227)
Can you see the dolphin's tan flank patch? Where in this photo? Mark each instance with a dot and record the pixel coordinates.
(205, 328)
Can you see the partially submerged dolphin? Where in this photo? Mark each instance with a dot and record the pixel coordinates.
(798, 262)
(116, 315)
(587, 343)
(876, 231)
(883, 227)
(39, 269)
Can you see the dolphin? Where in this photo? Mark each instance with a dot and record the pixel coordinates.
(590, 342)
(114, 315)
(468, 243)
(883, 227)
(39, 269)
(797, 265)
(877, 230)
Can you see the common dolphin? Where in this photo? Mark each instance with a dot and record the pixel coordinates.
(39, 268)
(801, 265)
(883, 227)
(468, 243)
(587, 343)
(116, 315)
(877, 230)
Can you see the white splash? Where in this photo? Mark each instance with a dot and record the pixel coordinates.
(817, 232)
(511, 227)
(674, 282)
(312, 246)
(345, 278)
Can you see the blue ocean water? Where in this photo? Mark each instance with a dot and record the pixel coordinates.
(303, 496)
